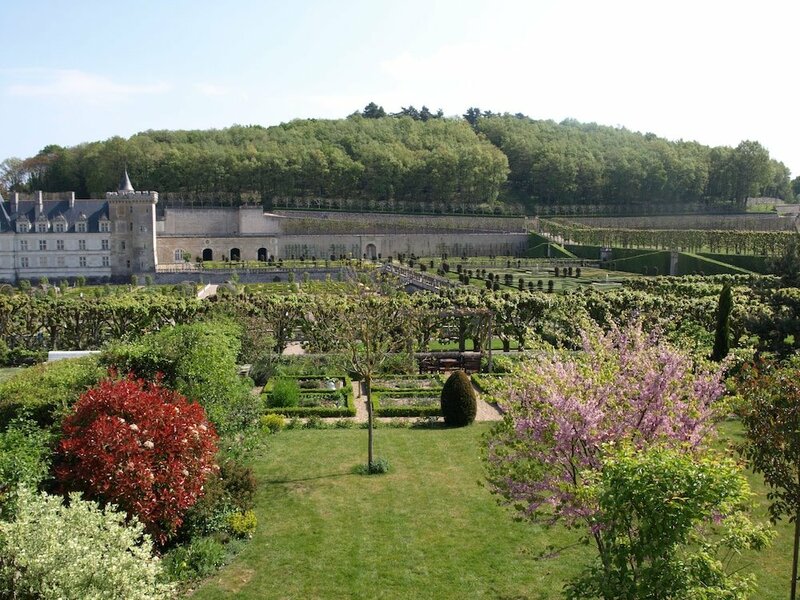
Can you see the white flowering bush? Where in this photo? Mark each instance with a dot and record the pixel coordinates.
(79, 551)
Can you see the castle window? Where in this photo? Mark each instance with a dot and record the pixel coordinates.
(42, 244)
(59, 244)
(59, 227)
(178, 255)
(60, 261)
(122, 245)
(105, 261)
(41, 227)
(81, 227)
(81, 244)
(23, 245)
(42, 261)
(23, 227)
(23, 262)
(81, 261)
(105, 227)
(104, 244)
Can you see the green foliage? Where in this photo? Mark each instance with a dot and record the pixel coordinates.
(24, 461)
(232, 490)
(379, 466)
(273, 422)
(52, 551)
(285, 393)
(643, 261)
(748, 262)
(665, 526)
(787, 264)
(458, 401)
(199, 558)
(722, 333)
(243, 524)
(690, 264)
(199, 361)
(45, 392)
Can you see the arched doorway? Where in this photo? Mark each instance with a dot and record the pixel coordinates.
(208, 254)
(262, 255)
(371, 252)
(236, 255)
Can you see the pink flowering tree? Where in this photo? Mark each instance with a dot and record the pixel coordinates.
(564, 409)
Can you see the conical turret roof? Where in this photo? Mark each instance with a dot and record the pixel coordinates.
(125, 183)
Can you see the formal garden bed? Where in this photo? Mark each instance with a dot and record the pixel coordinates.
(408, 382)
(407, 403)
(308, 395)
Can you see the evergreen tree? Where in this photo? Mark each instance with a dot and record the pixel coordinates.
(722, 336)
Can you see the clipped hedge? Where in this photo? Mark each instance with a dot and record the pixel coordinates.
(689, 264)
(749, 262)
(348, 410)
(646, 261)
(555, 251)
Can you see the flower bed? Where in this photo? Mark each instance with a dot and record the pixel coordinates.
(316, 398)
(407, 403)
(409, 382)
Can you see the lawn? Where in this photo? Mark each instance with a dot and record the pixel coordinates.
(428, 529)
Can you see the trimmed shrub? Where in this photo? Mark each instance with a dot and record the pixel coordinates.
(459, 404)
(139, 446)
(78, 551)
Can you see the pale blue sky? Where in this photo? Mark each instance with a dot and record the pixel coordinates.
(718, 72)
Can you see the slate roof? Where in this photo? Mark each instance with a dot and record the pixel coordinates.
(93, 209)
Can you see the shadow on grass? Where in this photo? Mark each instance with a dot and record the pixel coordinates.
(301, 479)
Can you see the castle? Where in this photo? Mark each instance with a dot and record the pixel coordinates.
(59, 236)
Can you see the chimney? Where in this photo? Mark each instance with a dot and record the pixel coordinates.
(15, 204)
(72, 199)
(39, 203)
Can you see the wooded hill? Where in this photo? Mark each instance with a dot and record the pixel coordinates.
(416, 157)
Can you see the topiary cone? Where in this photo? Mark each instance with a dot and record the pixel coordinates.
(459, 404)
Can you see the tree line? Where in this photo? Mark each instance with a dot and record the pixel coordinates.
(414, 155)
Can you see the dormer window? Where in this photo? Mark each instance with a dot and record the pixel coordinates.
(80, 226)
(60, 224)
(105, 225)
(42, 224)
(23, 227)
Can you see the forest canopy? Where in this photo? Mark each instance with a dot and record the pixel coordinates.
(414, 156)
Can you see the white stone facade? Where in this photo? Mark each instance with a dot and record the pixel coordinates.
(57, 236)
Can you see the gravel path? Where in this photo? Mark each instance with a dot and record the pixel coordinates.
(294, 348)
(485, 412)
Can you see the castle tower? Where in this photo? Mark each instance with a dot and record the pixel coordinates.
(133, 220)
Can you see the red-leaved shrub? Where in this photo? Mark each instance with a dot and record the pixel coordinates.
(140, 446)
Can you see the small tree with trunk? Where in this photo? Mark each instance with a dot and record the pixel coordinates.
(368, 329)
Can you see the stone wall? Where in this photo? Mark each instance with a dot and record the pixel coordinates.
(322, 246)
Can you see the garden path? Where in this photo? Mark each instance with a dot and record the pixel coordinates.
(209, 290)
(294, 348)
(485, 412)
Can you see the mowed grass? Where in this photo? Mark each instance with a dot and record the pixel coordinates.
(428, 529)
